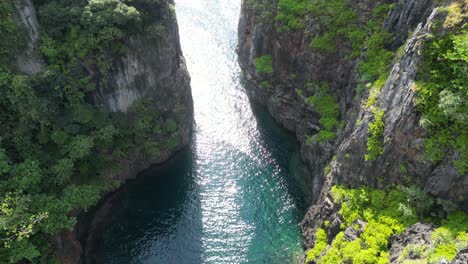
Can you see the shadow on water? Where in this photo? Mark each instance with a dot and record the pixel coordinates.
(286, 150)
(153, 218)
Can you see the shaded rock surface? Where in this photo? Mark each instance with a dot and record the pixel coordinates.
(29, 60)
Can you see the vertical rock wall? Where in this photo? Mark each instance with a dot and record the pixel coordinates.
(152, 67)
(294, 63)
(29, 60)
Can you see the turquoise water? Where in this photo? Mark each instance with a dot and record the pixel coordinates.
(237, 194)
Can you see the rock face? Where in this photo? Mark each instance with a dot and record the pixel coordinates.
(152, 67)
(294, 63)
(417, 234)
(29, 60)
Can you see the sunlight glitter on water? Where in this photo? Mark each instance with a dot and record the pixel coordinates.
(234, 196)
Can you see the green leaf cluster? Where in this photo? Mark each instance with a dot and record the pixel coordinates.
(291, 14)
(442, 97)
(385, 214)
(376, 132)
(264, 64)
(328, 108)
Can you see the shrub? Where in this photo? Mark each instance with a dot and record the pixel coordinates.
(290, 14)
(382, 210)
(320, 245)
(376, 131)
(326, 105)
(264, 64)
(441, 96)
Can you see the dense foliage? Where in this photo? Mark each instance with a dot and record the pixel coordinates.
(59, 152)
(442, 92)
(382, 215)
(10, 36)
(376, 131)
(290, 14)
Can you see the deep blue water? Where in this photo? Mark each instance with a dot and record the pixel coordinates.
(237, 194)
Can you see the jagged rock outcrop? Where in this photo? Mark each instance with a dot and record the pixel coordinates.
(418, 235)
(294, 63)
(461, 258)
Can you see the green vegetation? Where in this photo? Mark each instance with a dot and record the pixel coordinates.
(455, 14)
(265, 84)
(10, 39)
(264, 7)
(290, 14)
(375, 65)
(446, 241)
(264, 64)
(374, 91)
(387, 214)
(442, 96)
(321, 242)
(326, 105)
(59, 152)
(376, 131)
(339, 21)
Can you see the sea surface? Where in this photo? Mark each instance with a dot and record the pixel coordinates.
(236, 195)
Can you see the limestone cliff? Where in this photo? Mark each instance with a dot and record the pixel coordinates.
(150, 68)
(343, 160)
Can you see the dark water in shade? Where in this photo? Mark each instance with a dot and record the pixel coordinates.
(237, 195)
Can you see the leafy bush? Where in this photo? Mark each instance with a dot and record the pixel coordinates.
(338, 20)
(290, 14)
(264, 64)
(100, 14)
(376, 131)
(384, 218)
(442, 97)
(387, 213)
(326, 105)
(320, 245)
(10, 39)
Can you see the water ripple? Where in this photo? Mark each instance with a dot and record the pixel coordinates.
(236, 196)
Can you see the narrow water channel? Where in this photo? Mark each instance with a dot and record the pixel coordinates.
(237, 194)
